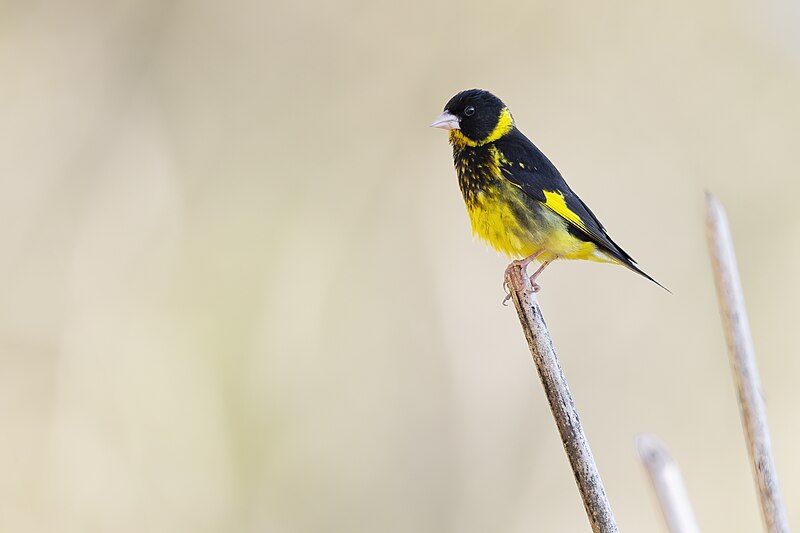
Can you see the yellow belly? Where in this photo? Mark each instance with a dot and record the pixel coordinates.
(515, 228)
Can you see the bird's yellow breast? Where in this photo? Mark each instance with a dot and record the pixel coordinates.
(517, 227)
(498, 218)
(507, 219)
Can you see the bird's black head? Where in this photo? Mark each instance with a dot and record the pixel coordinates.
(475, 117)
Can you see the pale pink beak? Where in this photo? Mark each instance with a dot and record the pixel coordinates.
(446, 121)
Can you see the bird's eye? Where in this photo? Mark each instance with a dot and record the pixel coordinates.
(469, 111)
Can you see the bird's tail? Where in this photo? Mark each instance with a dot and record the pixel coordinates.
(622, 257)
(633, 266)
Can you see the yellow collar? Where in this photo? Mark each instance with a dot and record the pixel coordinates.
(504, 124)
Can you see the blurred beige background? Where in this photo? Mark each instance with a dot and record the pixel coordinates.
(239, 291)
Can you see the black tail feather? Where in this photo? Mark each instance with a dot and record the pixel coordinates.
(631, 265)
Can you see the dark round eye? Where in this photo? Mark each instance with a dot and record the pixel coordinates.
(469, 111)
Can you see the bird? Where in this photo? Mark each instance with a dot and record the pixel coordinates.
(516, 199)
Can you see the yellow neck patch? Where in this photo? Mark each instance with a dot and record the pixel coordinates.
(504, 124)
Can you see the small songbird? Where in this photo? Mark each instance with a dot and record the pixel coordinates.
(516, 199)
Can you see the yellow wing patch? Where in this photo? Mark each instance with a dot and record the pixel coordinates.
(555, 201)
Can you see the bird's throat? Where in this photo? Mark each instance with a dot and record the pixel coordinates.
(478, 169)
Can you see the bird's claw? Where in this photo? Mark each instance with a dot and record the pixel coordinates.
(523, 264)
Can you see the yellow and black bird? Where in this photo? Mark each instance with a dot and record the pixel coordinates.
(516, 199)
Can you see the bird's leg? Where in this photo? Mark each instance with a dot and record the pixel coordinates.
(522, 263)
(536, 287)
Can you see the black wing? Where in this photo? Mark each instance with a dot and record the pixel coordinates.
(528, 168)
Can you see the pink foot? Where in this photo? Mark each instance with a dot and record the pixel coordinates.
(510, 271)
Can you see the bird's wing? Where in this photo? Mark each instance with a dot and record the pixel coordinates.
(525, 166)
(538, 178)
(566, 204)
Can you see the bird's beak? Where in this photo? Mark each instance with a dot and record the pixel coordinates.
(446, 121)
